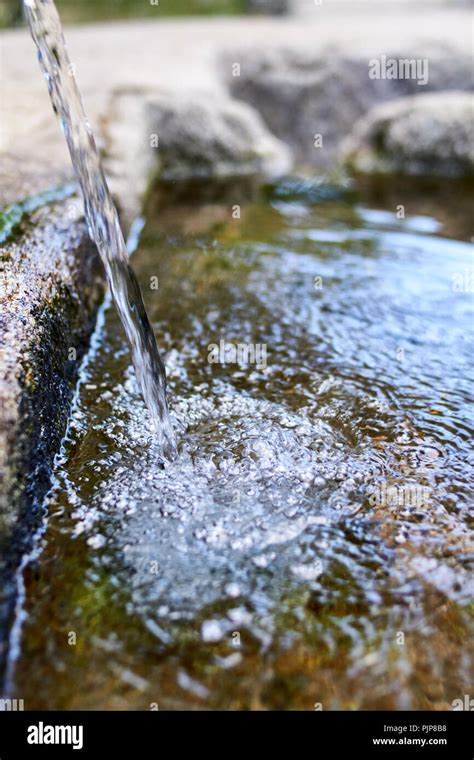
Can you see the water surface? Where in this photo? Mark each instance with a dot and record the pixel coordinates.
(311, 545)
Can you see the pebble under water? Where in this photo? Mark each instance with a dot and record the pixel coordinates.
(311, 545)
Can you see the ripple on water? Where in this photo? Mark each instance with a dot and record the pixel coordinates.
(318, 507)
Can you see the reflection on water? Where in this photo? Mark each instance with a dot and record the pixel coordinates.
(311, 544)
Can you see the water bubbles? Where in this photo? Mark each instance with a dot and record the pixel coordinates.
(231, 661)
(307, 572)
(232, 590)
(97, 541)
(191, 685)
(212, 631)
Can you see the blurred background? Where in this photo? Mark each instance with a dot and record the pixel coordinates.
(73, 11)
(77, 11)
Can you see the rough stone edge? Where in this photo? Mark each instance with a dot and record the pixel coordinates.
(37, 384)
(361, 154)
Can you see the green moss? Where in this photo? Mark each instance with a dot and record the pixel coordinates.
(12, 216)
(105, 10)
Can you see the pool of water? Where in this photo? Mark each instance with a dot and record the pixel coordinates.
(311, 546)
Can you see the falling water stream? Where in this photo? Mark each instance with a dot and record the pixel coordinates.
(101, 213)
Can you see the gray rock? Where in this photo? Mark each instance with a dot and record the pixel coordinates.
(52, 286)
(189, 139)
(302, 92)
(428, 134)
(202, 137)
